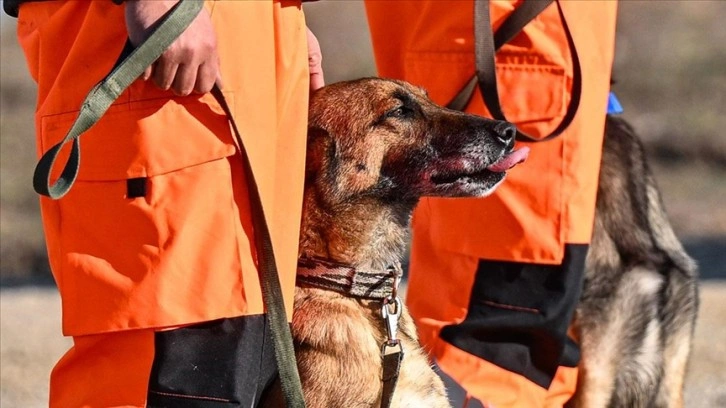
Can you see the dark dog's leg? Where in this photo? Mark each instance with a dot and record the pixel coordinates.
(620, 335)
(679, 302)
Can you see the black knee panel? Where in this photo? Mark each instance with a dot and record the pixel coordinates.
(519, 315)
(222, 363)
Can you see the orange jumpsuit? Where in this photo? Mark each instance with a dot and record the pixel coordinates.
(544, 205)
(182, 253)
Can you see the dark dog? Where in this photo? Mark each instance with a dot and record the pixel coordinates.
(374, 148)
(636, 317)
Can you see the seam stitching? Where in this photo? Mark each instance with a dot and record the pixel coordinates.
(510, 307)
(169, 394)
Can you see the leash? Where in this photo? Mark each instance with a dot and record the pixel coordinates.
(269, 279)
(101, 96)
(97, 103)
(345, 279)
(487, 43)
(391, 349)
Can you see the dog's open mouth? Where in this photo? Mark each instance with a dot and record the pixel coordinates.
(469, 180)
(505, 163)
(510, 160)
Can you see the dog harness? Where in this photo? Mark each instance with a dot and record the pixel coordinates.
(347, 280)
(369, 285)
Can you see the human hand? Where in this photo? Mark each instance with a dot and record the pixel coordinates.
(315, 62)
(191, 63)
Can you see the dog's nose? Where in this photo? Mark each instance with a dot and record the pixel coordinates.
(505, 132)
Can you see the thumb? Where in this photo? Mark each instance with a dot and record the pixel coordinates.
(315, 62)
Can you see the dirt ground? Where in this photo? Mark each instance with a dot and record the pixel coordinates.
(30, 343)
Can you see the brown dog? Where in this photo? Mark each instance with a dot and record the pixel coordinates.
(377, 146)
(374, 148)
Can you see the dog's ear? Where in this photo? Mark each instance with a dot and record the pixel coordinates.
(321, 153)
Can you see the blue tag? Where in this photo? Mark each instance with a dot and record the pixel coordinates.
(614, 106)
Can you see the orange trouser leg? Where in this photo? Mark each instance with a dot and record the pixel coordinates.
(481, 383)
(562, 387)
(475, 281)
(484, 382)
(104, 370)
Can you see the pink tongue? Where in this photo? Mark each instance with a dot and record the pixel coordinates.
(510, 160)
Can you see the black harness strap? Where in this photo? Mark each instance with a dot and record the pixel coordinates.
(391, 368)
(486, 44)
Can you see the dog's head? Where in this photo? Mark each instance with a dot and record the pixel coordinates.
(386, 139)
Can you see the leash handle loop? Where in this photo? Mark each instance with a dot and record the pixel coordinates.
(487, 43)
(101, 96)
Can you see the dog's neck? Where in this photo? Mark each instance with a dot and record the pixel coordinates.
(362, 233)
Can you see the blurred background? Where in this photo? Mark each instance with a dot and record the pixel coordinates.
(670, 72)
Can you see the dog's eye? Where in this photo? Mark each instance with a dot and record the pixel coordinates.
(400, 112)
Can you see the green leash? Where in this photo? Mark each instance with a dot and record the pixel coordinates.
(269, 280)
(96, 104)
(100, 98)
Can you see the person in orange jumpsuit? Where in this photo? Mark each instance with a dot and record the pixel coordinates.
(494, 282)
(152, 249)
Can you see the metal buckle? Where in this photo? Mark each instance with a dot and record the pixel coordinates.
(391, 319)
(397, 273)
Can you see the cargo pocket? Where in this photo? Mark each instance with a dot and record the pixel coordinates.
(154, 181)
(533, 92)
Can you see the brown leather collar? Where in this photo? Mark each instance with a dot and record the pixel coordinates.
(345, 279)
